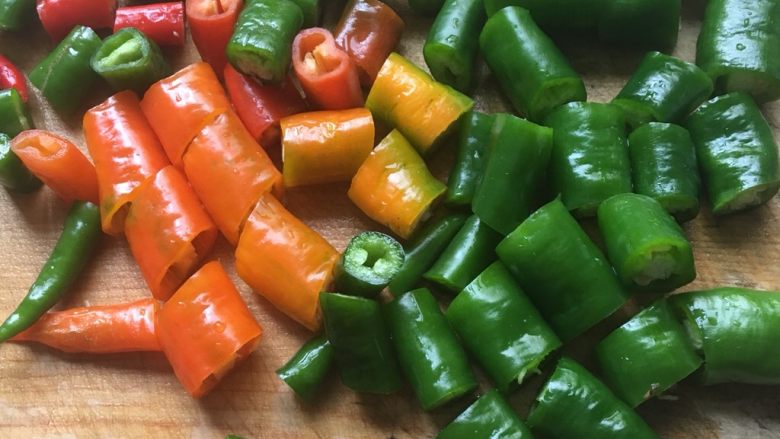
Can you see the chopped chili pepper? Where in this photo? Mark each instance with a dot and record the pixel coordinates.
(475, 136)
(12, 77)
(16, 14)
(13, 174)
(311, 12)
(205, 329)
(306, 370)
(14, 117)
(285, 261)
(650, 24)
(211, 25)
(127, 327)
(163, 23)
(490, 416)
(72, 252)
(326, 73)
(128, 59)
(58, 17)
(59, 164)
(325, 146)
(368, 264)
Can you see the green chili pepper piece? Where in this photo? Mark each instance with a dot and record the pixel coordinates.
(663, 167)
(736, 151)
(430, 355)
(312, 11)
(501, 328)
(361, 343)
(532, 71)
(514, 172)
(261, 45)
(368, 264)
(574, 403)
(736, 330)
(13, 174)
(489, 417)
(645, 244)
(738, 46)
(451, 47)
(647, 355)
(649, 24)
(589, 161)
(471, 250)
(563, 272)
(558, 16)
(70, 255)
(426, 7)
(663, 89)
(474, 140)
(15, 14)
(308, 367)
(128, 59)
(14, 117)
(426, 246)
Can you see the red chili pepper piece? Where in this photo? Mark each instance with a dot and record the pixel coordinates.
(211, 24)
(58, 17)
(162, 22)
(12, 77)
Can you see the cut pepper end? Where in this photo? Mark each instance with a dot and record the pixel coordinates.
(747, 199)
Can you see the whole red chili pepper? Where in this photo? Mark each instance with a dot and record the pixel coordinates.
(12, 77)
(162, 22)
(58, 17)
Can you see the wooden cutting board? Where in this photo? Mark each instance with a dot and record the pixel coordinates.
(46, 394)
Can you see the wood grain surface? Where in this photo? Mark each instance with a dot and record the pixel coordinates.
(46, 394)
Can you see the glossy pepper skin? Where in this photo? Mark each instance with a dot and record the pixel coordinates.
(589, 161)
(54, 75)
(471, 250)
(734, 329)
(645, 244)
(306, 370)
(451, 48)
(15, 14)
(514, 172)
(640, 23)
(736, 152)
(407, 98)
(534, 74)
(647, 355)
(663, 89)
(736, 47)
(474, 139)
(163, 23)
(13, 174)
(368, 31)
(12, 77)
(59, 17)
(211, 25)
(368, 264)
(128, 59)
(563, 272)
(489, 416)
(107, 329)
(423, 249)
(325, 146)
(429, 352)
(361, 343)
(72, 252)
(590, 409)
(394, 187)
(14, 117)
(501, 328)
(262, 38)
(663, 167)
(205, 329)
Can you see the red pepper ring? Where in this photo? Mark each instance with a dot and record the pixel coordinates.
(58, 17)
(12, 77)
(326, 73)
(211, 24)
(161, 22)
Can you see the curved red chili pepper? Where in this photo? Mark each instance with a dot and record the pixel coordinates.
(162, 22)
(12, 77)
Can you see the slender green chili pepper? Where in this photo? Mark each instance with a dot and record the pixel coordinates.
(647, 355)
(261, 45)
(738, 46)
(425, 247)
(426, 7)
(429, 352)
(736, 151)
(128, 59)
(645, 244)
(15, 14)
(663, 167)
(368, 264)
(533, 72)
(649, 24)
(663, 89)
(312, 11)
(474, 142)
(501, 328)
(564, 273)
(514, 172)
(471, 250)
(65, 75)
(308, 367)
(574, 403)
(451, 47)
(13, 174)
(70, 255)
(589, 161)
(14, 117)
(489, 417)
(361, 343)
(736, 331)
(557, 16)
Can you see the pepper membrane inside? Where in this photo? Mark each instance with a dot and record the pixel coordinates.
(372, 257)
(127, 50)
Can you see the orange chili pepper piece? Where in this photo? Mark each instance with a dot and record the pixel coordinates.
(168, 231)
(205, 329)
(126, 327)
(229, 171)
(179, 106)
(325, 146)
(126, 153)
(58, 163)
(285, 261)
